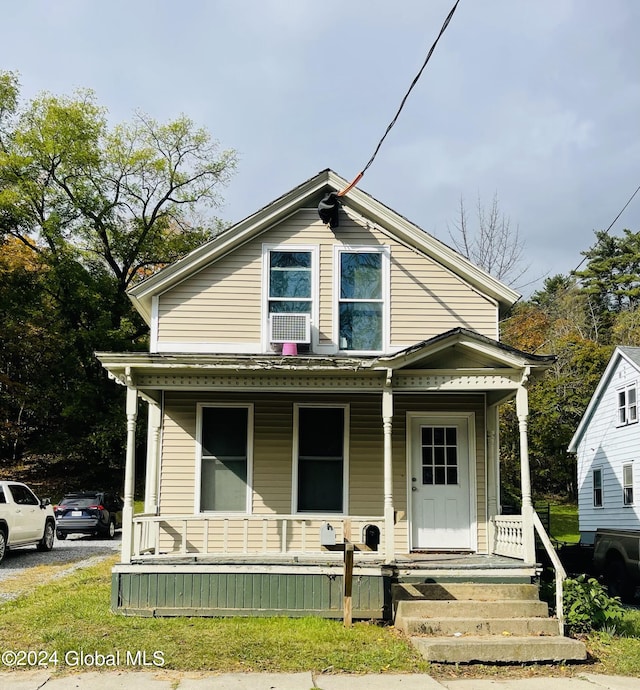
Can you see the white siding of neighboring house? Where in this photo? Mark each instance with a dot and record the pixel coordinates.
(609, 446)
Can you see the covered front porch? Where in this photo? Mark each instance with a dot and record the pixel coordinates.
(393, 408)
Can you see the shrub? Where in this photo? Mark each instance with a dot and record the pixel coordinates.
(587, 606)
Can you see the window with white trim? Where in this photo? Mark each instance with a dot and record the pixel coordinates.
(320, 460)
(627, 405)
(627, 484)
(290, 282)
(225, 448)
(362, 297)
(597, 488)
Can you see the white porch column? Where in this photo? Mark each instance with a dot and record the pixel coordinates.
(493, 471)
(522, 410)
(389, 515)
(129, 475)
(153, 458)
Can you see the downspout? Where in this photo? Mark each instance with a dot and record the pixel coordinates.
(389, 514)
(130, 470)
(522, 410)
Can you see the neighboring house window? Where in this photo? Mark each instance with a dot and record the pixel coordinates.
(597, 488)
(627, 485)
(320, 461)
(225, 458)
(361, 289)
(290, 281)
(627, 405)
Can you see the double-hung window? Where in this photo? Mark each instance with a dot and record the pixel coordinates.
(225, 457)
(627, 405)
(627, 484)
(362, 286)
(597, 488)
(320, 459)
(290, 282)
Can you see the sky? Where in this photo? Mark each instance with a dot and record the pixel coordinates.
(535, 101)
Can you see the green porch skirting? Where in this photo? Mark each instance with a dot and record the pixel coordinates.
(147, 593)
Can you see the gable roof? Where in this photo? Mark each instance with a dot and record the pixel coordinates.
(629, 354)
(305, 195)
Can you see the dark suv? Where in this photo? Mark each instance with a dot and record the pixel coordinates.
(88, 512)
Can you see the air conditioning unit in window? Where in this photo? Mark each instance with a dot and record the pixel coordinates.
(289, 328)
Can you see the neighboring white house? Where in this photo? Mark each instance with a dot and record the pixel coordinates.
(607, 444)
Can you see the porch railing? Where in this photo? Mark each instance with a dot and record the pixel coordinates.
(169, 536)
(508, 536)
(560, 572)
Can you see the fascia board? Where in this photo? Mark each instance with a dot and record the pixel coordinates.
(597, 395)
(411, 233)
(227, 241)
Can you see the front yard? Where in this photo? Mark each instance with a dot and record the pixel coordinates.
(71, 614)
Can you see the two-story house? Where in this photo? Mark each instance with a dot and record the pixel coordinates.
(310, 383)
(607, 446)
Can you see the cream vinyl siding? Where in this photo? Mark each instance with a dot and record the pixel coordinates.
(223, 303)
(273, 462)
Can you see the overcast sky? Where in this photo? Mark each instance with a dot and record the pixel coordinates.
(535, 100)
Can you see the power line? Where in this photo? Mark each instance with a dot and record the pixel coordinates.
(606, 232)
(404, 100)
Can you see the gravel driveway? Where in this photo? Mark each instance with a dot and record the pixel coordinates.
(77, 551)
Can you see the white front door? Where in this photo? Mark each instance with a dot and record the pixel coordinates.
(440, 490)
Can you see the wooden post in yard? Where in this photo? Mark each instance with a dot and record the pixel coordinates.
(348, 575)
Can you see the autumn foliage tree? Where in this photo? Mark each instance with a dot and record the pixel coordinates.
(95, 208)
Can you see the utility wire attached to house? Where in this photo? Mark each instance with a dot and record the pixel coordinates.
(404, 100)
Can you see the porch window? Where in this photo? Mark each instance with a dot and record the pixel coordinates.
(361, 299)
(627, 405)
(290, 281)
(224, 467)
(627, 484)
(597, 488)
(321, 459)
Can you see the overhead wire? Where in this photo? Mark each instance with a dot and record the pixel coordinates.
(404, 100)
(622, 210)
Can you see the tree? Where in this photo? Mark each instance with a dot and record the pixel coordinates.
(120, 199)
(494, 245)
(95, 208)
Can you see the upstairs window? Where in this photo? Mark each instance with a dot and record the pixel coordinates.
(627, 405)
(597, 488)
(290, 281)
(361, 289)
(627, 485)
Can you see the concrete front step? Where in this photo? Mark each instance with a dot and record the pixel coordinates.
(464, 590)
(513, 608)
(499, 649)
(478, 626)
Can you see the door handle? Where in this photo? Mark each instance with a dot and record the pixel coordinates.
(414, 488)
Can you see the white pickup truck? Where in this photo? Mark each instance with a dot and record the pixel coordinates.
(24, 518)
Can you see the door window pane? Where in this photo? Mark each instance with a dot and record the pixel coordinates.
(320, 459)
(224, 459)
(439, 455)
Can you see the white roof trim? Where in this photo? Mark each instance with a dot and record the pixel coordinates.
(274, 212)
(602, 386)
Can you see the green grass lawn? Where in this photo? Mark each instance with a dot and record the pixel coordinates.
(564, 522)
(71, 614)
